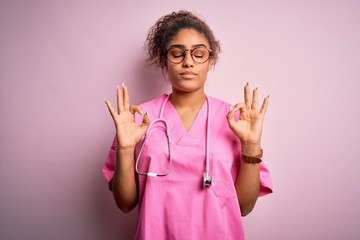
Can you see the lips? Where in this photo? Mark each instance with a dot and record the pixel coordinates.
(188, 74)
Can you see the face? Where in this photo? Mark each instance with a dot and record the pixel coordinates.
(188, 76)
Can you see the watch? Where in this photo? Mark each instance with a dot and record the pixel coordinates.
(252, 159)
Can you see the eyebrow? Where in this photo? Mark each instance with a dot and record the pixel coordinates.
(183, 46)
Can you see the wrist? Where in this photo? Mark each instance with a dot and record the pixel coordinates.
(127, 149)
(251, 149)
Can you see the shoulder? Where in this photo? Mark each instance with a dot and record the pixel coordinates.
(224, 139)
(154, 102)
(217, 105)
(152, 107)
(219, 109)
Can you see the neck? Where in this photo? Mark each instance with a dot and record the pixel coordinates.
(187, 100)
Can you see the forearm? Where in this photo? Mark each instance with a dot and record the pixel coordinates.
(248, 181)
(124, 186)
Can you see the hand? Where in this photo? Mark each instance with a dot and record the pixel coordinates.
(249, 126)
(128, 133)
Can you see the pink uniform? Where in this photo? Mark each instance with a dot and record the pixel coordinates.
(177, 206)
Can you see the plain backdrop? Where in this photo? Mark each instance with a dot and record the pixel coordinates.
(59, 59)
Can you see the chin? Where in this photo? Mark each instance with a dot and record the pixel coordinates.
(186, 89)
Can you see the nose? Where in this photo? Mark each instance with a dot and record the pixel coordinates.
(188, 60)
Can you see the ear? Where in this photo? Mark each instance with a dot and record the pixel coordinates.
(165, 63)
(211, 64)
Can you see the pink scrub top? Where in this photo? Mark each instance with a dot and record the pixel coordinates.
(177, 206)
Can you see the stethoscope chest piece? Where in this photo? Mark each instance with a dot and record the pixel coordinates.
(206, 180)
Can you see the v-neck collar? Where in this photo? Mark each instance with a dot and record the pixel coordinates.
(178, 132)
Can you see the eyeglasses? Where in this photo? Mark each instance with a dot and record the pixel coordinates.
(198, 54)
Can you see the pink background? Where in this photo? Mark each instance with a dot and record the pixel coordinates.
(59, 59)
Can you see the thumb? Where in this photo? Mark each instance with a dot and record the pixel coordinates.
(230, 116)
(146, 120)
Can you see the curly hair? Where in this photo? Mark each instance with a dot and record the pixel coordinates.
(165, 30)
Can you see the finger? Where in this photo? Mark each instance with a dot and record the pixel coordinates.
(136, 108)
(264, 105)
(247, 96)
(241, 107)
(119, 95)
(126, 97)
(146, 120)
(233, 109)
(254, 102)
(230, 116)
(110, 108)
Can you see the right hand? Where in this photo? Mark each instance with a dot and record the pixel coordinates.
(128, 133)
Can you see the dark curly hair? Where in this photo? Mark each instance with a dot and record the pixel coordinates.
(165, 30)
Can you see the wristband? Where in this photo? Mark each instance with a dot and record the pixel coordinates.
(252, 159)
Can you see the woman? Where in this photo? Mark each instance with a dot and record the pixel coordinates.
(198, 183)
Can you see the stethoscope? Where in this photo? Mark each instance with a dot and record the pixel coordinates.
(207, 178)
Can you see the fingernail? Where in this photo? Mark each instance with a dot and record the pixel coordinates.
(247, 83)
(123, 84)
(231, 108)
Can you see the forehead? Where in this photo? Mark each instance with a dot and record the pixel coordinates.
(189, 38)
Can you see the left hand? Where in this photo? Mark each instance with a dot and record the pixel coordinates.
(249, 126)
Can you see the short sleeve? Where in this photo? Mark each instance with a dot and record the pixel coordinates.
(265, 181)
(110, 163)
(109, 166)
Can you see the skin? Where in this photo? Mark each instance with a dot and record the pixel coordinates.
(188, 81)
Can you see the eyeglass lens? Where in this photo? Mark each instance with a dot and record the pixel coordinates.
(199, 54)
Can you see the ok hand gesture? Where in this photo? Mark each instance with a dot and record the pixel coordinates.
(128, 133)
(249, 126)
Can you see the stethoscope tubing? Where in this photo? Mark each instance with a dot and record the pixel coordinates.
(147, 134)
(167, 131)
